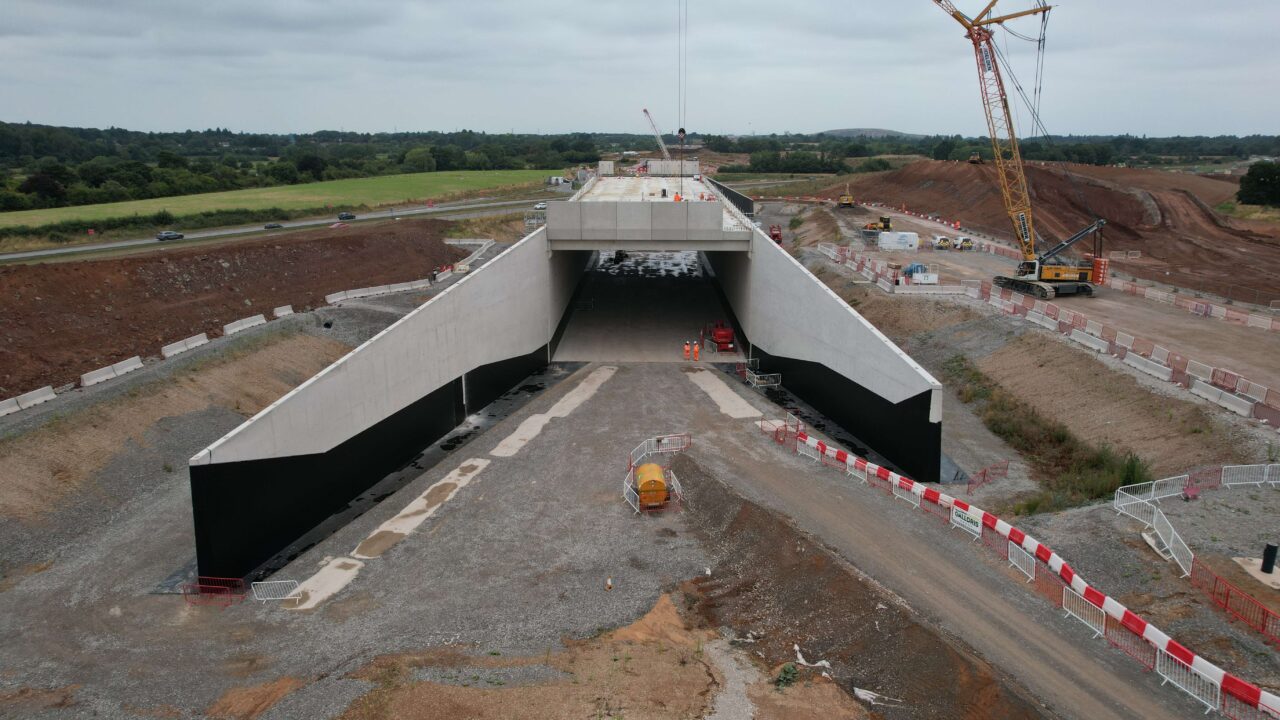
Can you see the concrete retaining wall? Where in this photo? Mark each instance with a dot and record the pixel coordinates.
(511, 297)
(279, 476)
(831, 356)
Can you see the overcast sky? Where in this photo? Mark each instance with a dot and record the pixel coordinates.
(1158, 68)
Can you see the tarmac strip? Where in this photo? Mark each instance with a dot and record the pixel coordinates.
(730, 402)
(533, 425)
(416, 512)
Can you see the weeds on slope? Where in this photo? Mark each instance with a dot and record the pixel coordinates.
(1072, 471)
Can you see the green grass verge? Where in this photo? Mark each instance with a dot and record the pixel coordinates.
(1073, 472)
(370, 192)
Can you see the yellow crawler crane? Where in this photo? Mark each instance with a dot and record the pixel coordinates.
(1045, 275)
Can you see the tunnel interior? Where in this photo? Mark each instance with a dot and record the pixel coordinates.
(641, 307)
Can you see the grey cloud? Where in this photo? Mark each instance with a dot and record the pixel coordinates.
(296, 65)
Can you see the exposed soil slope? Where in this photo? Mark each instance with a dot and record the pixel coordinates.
(60, 320)
(1167, 216)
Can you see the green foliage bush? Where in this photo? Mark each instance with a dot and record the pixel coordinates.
(1072, 471)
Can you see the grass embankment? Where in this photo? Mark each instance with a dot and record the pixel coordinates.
(1071, 471)
(1248, 212)
(32, 228)
(731, 178)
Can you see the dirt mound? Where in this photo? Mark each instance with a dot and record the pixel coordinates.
(61, 320)
(776, 583)
(1166, 216)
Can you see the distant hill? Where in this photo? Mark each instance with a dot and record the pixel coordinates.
(870, 132)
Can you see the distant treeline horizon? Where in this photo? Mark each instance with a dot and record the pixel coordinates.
(48, 166)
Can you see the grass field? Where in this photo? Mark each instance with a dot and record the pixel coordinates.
(374, 191)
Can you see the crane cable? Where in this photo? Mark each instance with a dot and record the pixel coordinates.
(682, 73)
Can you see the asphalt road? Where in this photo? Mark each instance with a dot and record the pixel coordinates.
(453, 209)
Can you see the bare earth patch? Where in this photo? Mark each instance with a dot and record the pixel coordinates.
(1101, 405)
(247, 703)
(42, 467)
(654, 668)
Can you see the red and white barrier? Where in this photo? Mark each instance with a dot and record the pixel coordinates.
(1175, 662)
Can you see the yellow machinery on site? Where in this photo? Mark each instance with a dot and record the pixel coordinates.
(885, 224)
(1045, 275)
(846, 200)
(651, 486)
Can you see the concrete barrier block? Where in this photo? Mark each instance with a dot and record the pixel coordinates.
(1090, 341)
(335, 297)
(196, 341)
(282, 311)
(243, 324)
(172, 349)
(1149, 367)
(35, 397)
(1042, 320)
(9, 406)
(93, 377)
(444, 276)
(1234, 403)
(127, 366)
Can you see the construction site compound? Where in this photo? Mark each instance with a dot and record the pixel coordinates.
(885, 446)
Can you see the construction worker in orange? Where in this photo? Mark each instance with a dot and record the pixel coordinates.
(686, 349)
(696, 348)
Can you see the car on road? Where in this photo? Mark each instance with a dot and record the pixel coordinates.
(168, 235)
(346, 216)
(272, 226)
(540, 206)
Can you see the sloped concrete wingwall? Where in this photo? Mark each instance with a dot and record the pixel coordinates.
(304, 458)
(832, 357)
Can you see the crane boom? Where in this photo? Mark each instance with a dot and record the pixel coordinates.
(1042, 275)
(1004, 141)
(657, 135)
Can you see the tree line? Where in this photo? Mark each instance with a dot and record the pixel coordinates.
(827, 153)
(43, 166)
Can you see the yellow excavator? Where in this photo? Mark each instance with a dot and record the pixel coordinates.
(1044, 275)
(846, 200)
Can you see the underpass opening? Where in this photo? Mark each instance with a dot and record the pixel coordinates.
(643, 307)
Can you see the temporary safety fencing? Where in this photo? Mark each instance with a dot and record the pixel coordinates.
(1022, 560)
(216, 591)
(660, 445)
(994, 471)
(1222, 387)
(1238, 603)
(1129, 641)
(1191, 681)
(1051, 576)
(268, 590)
(1197, 306)
(1084, 611)
(763, 380)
